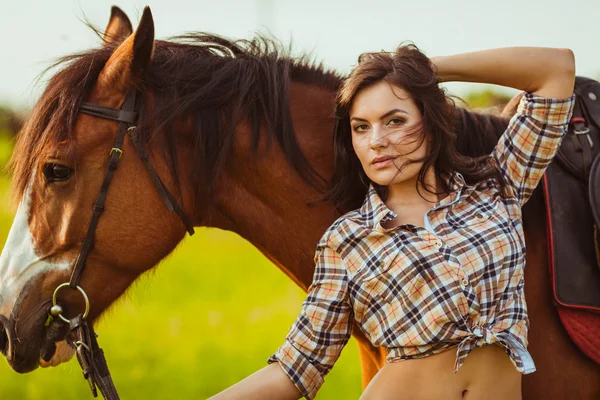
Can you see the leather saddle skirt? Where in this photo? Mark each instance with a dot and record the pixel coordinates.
(572, 194)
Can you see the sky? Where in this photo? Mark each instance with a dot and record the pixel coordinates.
(34, 33)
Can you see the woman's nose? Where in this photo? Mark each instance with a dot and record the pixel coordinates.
(379, 139)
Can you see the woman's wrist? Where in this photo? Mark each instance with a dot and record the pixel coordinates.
(434, 65)
(437, 65)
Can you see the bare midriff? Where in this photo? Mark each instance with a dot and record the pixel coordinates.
(487, 374)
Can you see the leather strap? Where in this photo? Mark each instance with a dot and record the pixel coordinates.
(115, 156)
(122, 115)
(91, 358)
(160, 187)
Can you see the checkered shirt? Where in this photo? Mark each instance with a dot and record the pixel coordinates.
(456, 281)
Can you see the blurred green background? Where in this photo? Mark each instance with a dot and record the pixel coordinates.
(206, 317)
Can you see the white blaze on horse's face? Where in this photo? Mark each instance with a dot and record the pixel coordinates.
(19, 262)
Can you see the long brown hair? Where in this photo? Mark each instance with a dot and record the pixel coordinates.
(409, 69)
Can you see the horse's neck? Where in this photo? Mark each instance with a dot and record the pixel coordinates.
(264, 199)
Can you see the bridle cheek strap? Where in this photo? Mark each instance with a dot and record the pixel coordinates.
(113, 163)
(89, 354)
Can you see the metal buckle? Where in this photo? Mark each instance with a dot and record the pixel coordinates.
(583, 131)
(85, 298)
(79, 343)
(115, 150)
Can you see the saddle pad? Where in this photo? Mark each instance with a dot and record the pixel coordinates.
(584, 329)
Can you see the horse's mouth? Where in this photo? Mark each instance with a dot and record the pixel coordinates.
(61, 352)
(27, 343)
(54, 350)
(54, 346)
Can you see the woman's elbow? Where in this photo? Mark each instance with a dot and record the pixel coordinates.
(565, 71)
(566, 62)
(559, 79)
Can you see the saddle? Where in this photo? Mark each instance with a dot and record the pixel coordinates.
(572, 195)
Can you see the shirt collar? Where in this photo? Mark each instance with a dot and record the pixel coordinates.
(374, 210)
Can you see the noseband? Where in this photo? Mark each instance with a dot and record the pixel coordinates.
(82, 337)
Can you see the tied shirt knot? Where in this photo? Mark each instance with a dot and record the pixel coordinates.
(486, 335)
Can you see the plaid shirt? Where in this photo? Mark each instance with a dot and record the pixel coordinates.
(420, 290)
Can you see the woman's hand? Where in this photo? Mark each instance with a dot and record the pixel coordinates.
(543, 71)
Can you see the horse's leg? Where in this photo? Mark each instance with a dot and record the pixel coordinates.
(563, 372)
(370, 361)
(371, 358)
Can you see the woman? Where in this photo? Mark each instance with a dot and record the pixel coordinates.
(431, 265)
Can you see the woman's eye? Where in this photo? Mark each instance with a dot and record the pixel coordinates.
(395, 121)
(360, 128)
(56, 172)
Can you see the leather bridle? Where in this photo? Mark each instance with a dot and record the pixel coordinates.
(82, 337)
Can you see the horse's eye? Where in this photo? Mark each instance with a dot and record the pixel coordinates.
(57, 172)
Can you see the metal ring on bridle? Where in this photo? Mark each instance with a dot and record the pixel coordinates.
(85, 298)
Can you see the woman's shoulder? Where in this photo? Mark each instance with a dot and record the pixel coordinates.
(347, 227)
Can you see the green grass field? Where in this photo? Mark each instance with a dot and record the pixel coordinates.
(208, 316)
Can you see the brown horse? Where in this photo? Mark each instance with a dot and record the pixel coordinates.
(242, 134)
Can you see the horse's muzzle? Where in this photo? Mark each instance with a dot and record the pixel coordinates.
(22, 336)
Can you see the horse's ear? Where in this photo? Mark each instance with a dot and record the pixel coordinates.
(128, 64)
(511, 107)
(119, 27)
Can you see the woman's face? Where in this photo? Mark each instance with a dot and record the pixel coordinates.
(385, 124)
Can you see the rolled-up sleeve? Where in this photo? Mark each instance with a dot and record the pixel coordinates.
(322, 329)
(531, 141)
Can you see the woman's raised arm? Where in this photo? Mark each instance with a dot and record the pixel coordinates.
(547, 72)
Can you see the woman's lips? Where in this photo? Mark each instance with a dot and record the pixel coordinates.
(384, 163)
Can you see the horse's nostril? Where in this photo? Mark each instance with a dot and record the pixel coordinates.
(3, 339)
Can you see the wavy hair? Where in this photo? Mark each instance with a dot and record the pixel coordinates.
(407, 68)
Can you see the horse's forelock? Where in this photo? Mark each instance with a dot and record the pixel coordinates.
(53, 117)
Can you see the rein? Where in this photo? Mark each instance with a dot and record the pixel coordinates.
(83, 338)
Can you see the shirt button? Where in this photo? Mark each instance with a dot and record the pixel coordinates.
(439, 244)
(479, 215)
(464, 282)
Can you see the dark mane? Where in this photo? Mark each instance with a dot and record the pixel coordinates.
(478, 132)
(213, 81)
(216, 83)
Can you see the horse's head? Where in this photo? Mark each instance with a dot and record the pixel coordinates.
(59, 165)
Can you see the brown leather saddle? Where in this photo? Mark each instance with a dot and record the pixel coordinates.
(572, 194)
